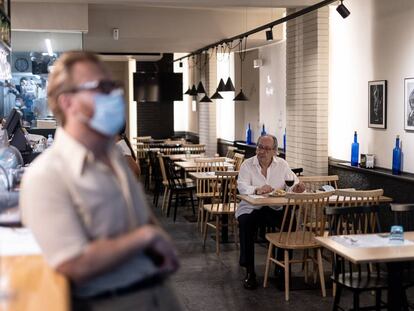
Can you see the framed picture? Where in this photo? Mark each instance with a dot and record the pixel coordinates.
(377, 104)
(409, 104)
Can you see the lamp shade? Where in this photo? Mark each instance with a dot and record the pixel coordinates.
(193, 91)
(221, 87)
(200, 88)
(240, 96)
(206, 99)
(217, 95)
(229, 86)
(188, 91)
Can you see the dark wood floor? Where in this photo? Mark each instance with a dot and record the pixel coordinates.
(206, 282)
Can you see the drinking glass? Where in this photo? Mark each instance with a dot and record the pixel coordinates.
(397, 234)
(289, 181)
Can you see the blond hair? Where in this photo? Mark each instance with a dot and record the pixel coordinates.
(60, 79)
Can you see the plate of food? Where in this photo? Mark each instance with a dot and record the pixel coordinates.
(277, 193)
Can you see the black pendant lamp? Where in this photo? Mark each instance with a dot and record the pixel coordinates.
(229, 86)
(217, 95)
(200, 88)
(241, 96)
(206, 99)
(188, 91)
(221, 87)
(193, 91)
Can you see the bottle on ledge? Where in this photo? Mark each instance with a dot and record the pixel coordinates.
(263, 130)
(396, 157)
(355, 151)
(284, 142)
(249, 135)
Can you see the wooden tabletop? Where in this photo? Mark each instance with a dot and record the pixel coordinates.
(360, 255)
(266, 200)
(184, 157)
(32, 285)
(205, 176)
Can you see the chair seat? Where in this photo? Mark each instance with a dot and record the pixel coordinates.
(221, 208)
(364, 282)
(296, 240)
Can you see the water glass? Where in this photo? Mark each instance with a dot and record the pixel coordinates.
(397, 235)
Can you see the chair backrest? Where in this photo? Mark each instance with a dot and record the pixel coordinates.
(194, 149)
(143, 138)
(403, 215)
(224, 191)
(238, 158)
(230, 152)
(210, 164)
(358, 197)
(353, 220)
(141, 151)
(162, 168)
(304, 218)
(172, 177)
(314, 183)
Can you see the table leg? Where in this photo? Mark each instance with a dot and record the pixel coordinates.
(395, 288)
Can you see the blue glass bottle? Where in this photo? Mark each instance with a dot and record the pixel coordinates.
(355, 150)
(263, 130)
(396, 157)
(249, 135)
(284, 142)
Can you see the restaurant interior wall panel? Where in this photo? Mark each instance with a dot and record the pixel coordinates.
(273, 89)
(37, 16)
(155, 119)
(307, 53)
(374, 43)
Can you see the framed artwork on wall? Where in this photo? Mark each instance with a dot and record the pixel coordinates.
(409, 104)
(377, 104)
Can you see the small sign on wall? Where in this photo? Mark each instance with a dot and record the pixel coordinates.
(377, 104)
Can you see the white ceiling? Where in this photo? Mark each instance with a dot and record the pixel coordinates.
(192, 3)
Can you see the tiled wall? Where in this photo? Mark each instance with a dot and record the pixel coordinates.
(307, 59)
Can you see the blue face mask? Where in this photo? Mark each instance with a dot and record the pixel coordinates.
(109, 115)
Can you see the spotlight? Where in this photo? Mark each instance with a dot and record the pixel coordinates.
(181, 64)
(269, 35)
(342, 10)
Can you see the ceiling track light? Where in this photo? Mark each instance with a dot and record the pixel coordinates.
(342, 10)
(269, 35)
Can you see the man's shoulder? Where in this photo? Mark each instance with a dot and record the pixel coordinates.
(248, 162)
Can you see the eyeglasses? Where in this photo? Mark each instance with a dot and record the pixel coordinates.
(261, 147)
(103, 86)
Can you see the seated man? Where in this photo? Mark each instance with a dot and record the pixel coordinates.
(84, 205)
(260, 174)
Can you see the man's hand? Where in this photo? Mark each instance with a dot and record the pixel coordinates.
(264, 189)
(159, 249)
(299, 188)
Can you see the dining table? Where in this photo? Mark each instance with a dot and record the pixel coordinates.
(366, 249)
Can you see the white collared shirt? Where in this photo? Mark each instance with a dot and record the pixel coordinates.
(69, 199)
(250, 177)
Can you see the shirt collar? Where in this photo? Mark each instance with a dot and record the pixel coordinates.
(75, 154)
(256, 161)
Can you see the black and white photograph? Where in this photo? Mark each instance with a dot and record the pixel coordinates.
(377, 104)
(409, 104)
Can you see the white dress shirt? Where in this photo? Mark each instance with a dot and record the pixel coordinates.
(250, 177)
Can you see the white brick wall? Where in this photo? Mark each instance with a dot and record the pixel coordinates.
(207, 111)
(307, 76)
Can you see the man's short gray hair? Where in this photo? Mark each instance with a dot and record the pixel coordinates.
(271, 136)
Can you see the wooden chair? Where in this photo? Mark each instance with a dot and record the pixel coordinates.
(205, 186)
(143, 138)
(314, 183)
(238, 158)
(346, 275)
(195, 148)
(166, 194)
(358, 197)
(230, 152)
(177, 187)
(303, 220)
(223, 202)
